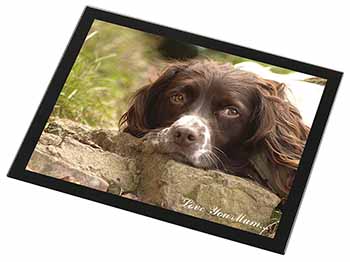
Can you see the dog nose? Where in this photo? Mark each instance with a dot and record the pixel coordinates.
(185, 136)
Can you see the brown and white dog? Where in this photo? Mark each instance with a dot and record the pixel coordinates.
(212, 116)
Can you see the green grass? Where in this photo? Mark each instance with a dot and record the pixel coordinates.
(106, 72)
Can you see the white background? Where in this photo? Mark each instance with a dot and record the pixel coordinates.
(38, 224)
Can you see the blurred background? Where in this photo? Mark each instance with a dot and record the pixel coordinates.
(113, 63)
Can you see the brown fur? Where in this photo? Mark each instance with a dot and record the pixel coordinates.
(274, 126)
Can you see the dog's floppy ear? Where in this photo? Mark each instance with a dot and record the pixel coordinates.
(279, 131)
(137, 119)
(278, 124)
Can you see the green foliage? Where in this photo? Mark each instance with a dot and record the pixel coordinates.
(110, 66)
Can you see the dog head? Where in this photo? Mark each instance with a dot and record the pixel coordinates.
(210, 115)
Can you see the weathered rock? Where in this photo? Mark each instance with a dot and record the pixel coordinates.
(83, 164)
(44, 163)
(181, 188)
(124, 165)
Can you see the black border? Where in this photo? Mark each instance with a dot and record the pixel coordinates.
(278, 244)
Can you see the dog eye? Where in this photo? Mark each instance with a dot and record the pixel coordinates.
(230, 112)
(177, 99)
